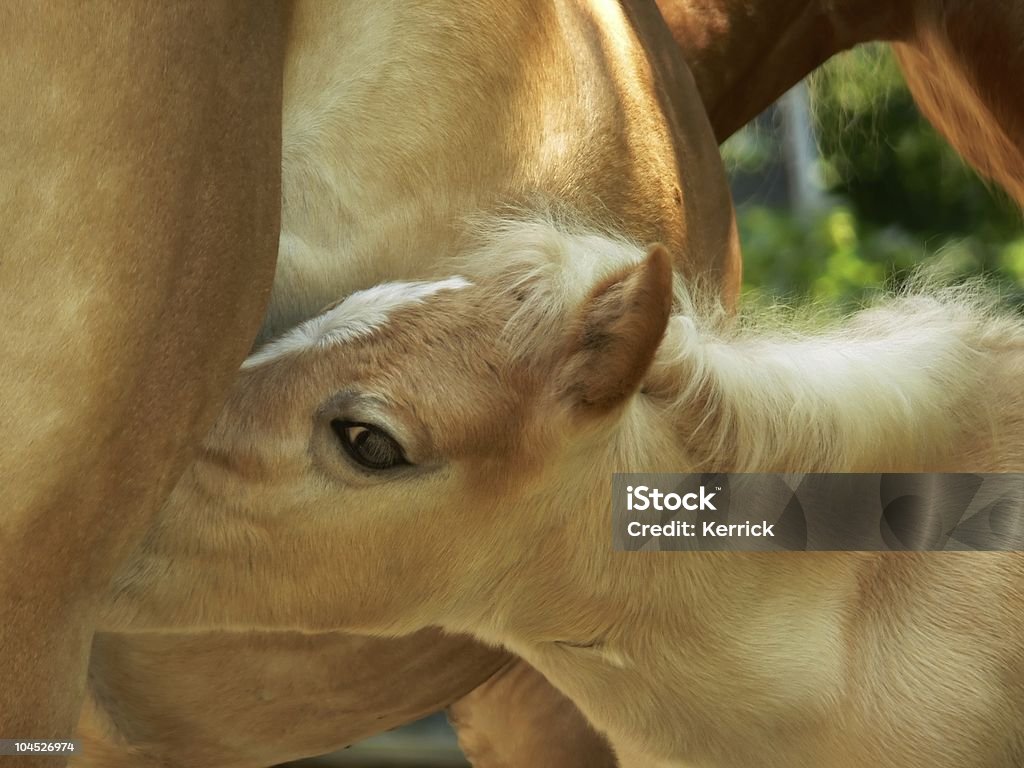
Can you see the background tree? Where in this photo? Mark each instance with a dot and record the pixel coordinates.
(897, 196)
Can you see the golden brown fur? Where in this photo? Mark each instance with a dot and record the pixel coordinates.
(584, 103)
(139, 200)
(959, 57)
(955, 60)
(958, 64)
(707, 659)
(498, 724)
(225, 700)
(402, 120)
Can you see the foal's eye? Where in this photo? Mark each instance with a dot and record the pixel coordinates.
(369, 446)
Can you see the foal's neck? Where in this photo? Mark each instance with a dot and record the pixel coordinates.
(897, 389)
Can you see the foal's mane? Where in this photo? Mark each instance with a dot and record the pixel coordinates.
(884, 389)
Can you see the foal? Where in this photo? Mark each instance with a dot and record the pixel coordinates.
(441, 453)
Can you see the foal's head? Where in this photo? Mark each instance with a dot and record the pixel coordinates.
(407, 446)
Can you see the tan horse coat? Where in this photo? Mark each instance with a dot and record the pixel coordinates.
(400, 121)
(139, 206)
(499, 407)
(956, 56)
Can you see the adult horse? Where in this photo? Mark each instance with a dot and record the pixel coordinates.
(725, 42)
(400, 121)
(139, 208)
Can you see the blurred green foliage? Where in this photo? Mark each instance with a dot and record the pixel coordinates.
(899, 197)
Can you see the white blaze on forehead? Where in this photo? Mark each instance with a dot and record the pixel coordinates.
(359, 315)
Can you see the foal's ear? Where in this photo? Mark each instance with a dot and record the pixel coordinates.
(616, 333)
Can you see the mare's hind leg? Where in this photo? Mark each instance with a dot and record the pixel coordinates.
(964, 66)
(962, 59)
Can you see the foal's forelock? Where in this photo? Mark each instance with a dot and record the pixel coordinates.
(355, 317)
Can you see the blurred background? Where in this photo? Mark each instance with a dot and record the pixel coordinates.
(841, 189)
